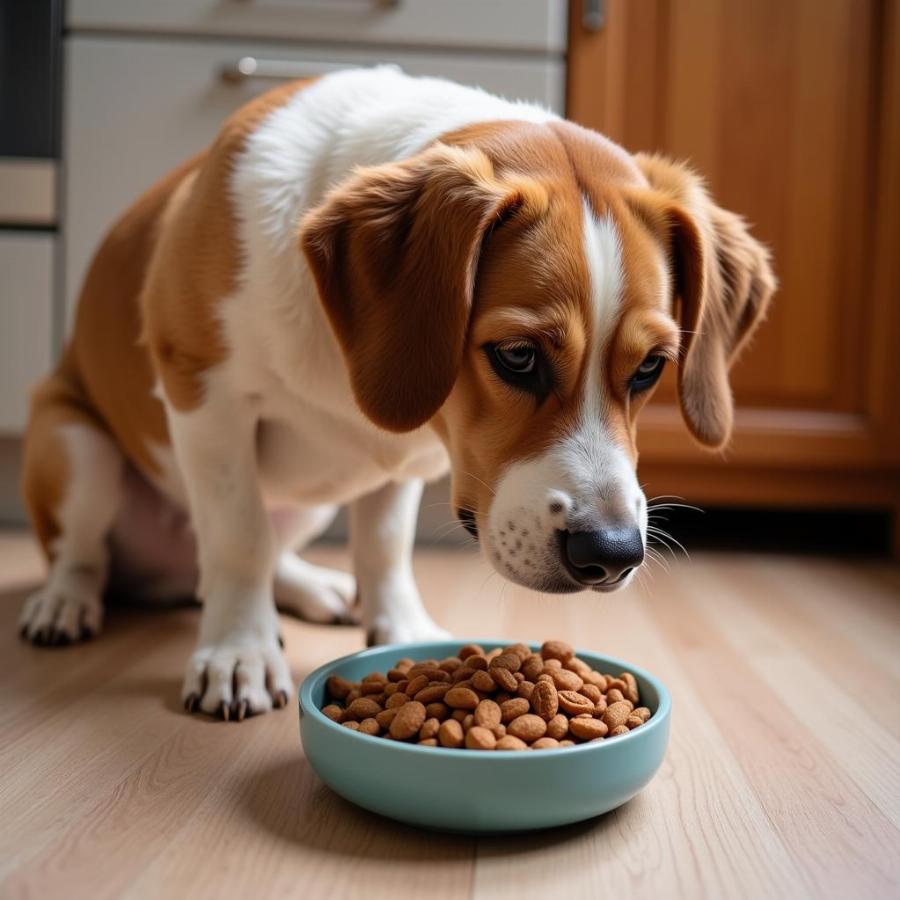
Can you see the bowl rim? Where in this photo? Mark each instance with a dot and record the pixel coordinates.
(307, 707)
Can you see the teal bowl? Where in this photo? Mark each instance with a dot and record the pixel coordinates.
(479, 791)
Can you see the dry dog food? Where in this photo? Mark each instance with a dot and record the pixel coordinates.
(507, 698)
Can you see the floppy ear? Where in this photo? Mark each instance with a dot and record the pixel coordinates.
(394, 252)
(723, 284)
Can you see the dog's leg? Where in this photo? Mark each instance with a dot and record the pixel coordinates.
(72, 484)
(383, 530)
(313, 593)
(238, 666)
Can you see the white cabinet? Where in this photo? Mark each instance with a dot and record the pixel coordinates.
(136, 107)
(26, 336)
(533, 25)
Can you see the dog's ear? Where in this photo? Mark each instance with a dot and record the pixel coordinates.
(723, 282)
(394, 252)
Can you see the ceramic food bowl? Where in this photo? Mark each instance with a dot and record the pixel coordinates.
(477, 791)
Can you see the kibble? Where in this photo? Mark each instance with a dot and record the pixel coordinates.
(498, 699)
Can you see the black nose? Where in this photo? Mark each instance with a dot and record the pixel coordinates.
(603, 556)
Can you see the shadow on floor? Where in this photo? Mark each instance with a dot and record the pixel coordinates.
(288, 800)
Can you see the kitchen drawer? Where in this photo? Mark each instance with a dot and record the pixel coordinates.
(536, 25)
(134, 108)
(26, 321)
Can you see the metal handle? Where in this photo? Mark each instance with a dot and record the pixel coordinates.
(249, 67)
(320, 4)
(593, 15)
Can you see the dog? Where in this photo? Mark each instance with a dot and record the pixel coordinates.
(367, 280)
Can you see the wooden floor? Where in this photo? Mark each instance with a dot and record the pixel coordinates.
(782, 779)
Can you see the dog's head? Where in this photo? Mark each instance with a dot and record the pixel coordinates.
(520, 287)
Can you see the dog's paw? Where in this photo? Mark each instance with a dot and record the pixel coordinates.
(314, 593)
(237, 679)
(388, 630)
(60, 614)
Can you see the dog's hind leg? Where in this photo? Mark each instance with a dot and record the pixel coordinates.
(313, 593)
(72, 484)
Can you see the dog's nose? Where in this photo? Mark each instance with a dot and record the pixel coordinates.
(603, 556)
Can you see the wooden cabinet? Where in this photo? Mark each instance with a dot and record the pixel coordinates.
(791, 109)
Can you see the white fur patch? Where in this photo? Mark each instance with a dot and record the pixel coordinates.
(583, 479)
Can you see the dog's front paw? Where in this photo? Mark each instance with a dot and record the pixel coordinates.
(314, 593)
(234, 679)
(387, 629)
(61, 614)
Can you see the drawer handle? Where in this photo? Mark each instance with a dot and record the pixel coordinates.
(593, 15)
(249, 67)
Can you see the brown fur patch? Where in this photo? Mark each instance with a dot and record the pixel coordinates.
(197, 262)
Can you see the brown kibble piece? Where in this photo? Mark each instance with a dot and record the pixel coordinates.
(545, 700)
(487, 714)
(461, 698)
(505, 678)
(591, 691)
(508, 661)
(439, 711)
(566, 680)
(643, 712)
(370, 726)
(334, 712)
(396, 700)
(614, 695)
(450, 734)
(587, 729)
(480, 738)
(525, 690)
(482, 681)
(509, 742)
(631, 690)
(363, 708)
(433, 692)
(353, 726)
(520, 650)
(513, 708)
(416, 683)
(470, 649)
(558, 726)
(633, 721)
(385, 717)
(528, 727)
(545, 743)
(338, 687)
(619, 729)
(557, 650)
(574, 703)
(479, 663)
(408, 721)
(428, 742)
(532, 666)
(615, 715)
(429, 729)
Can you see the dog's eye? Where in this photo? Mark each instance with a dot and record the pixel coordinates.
(648, 373)
(521, 365)
(518, 358)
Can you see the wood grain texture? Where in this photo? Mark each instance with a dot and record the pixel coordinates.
(790, 110)
(781, 779)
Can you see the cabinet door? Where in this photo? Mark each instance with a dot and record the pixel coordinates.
(26, 321)
(790, 111)
(134, 108)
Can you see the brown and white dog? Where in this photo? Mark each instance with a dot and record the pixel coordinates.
(365, 281)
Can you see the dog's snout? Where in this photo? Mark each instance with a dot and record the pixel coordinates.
(604, 556)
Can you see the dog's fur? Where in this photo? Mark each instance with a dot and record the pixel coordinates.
(302, 316)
